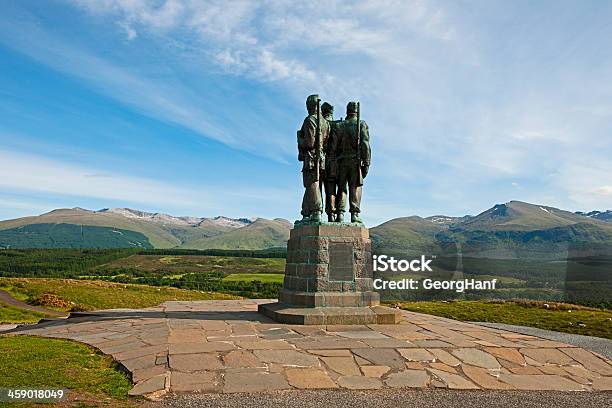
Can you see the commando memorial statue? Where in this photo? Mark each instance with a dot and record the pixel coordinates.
(336, 159)
(328, 273)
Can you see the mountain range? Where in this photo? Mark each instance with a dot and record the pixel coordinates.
(599, 215)
(125, 227)
(511, 230)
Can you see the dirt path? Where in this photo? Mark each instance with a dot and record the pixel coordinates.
(5, 297)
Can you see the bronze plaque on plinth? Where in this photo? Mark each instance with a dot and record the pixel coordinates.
(341, 260)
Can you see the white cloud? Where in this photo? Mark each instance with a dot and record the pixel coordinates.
(64, 182)
(586, 184)
(278, 40)
(160, 16)
(23, 205)
(171, 102)
(529, 135)
(31, 173)
(129, 31)
(604, 190)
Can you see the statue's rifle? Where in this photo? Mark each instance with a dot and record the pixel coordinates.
(358, 136)
(318, 140)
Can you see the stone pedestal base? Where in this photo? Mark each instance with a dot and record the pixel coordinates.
(328, 299)
(330, 315)
(328, 279)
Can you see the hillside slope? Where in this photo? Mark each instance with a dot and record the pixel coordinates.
(71, 236)
(261, 234)
(159, 230)
(599, 215)
(408, 235)
(157, 235)
(511, 230)
(520, 216)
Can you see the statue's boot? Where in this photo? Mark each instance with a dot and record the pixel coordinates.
(331, 217)
(340, 217)
(315, 217)
(355, 218)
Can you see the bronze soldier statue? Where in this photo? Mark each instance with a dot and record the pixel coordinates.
(351, 144)
(311, 139)
(331, 165)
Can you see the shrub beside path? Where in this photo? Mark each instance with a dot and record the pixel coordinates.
(5, 297)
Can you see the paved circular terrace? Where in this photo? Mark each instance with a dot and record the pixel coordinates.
(227, 347)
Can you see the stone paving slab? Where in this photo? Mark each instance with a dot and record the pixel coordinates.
(596, 344)
(227, 347)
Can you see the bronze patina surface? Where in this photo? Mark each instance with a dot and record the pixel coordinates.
(336, 159)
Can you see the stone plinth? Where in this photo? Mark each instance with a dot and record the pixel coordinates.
(328, 279)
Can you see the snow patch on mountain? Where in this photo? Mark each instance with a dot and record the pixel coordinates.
(598, 215)
(447, 220)
(166, 219)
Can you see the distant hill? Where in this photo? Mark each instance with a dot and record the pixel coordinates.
(261, 234)
(511, 230)
(414, 234)
(598, 215)
(153, 229)
(157, 234)
(165, 219)
(519, 216)
(71, 236)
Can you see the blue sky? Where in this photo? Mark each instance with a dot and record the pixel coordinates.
(191, 107)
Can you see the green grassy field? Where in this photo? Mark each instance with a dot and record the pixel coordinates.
(177, 265)
(90, 295)
(558, 316)
(91, 377)
(249, 277)
(10, 314)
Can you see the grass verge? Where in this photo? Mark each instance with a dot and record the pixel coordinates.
(35, 362)
(559, 317)
(11, 314)
(89, 295)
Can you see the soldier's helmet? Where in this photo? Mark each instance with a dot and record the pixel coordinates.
(327, 108)
(351, 107)
(311, 102)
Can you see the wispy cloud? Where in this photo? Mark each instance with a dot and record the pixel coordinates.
(277, 40)
(165, 101)
(461, 102)
(31, 207)
(31, 173)
(36, 175)
(604, 190)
